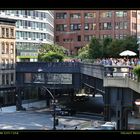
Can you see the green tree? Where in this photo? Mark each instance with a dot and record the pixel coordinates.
(130, 43)
(106, 47)
(83, 53)
(115, 48)
(95, 48)
(51, 53)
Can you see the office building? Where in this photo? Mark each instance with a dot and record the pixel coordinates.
(7, 61)
(33, 28)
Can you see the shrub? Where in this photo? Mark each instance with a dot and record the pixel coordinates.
(136, 71)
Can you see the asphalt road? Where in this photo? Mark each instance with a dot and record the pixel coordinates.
(39, 120)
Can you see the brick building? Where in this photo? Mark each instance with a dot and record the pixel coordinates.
(75, 28)
(7, 61)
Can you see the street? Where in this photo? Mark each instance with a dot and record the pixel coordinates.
(39, 120)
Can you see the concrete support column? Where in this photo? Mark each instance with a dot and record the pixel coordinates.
(121, 110)
(107, 106)
(18, 99)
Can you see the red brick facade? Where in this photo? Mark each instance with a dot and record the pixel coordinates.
(75, 31)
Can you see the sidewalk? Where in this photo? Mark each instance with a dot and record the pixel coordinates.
(29, 106)
(11, 109)
(8, 109)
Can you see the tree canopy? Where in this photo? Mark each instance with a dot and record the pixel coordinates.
(107, 47)
(51, 53)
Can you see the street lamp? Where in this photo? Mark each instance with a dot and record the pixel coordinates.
(54, 107)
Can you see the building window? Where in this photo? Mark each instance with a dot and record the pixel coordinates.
(116, 25)
(3, 48)
(61, 27)
(116, 36)
(61, 15)
(12, 63)
(7, 79)
(12, 48)
(105, 36)
(86, 26)
(125, 13)
(7, 48)
(75, 15)
(3, 63)
(75, 27)
(12, 33)
(105, 26)
(90, 15)
(88, 37)
(125, 25)
(93, 26)
(120, 36)
(7, 32)
(79, 38)
(134, 14)
(134, 26)
(7, 63)
(12, 78)
(106, 14)
(57, 38)
(121, 25)
(3, 79)
(3, 32)
(121, 13)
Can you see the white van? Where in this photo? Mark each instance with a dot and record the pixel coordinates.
(109, 126)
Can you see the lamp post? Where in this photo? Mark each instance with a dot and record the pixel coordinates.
(54, 107)
(54, 102)
(54, 115)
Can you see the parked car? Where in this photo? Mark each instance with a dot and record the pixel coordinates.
(109, 126)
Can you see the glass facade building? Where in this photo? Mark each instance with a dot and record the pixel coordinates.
(33, 28)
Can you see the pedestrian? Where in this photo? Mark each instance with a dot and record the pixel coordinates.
(76, 128)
